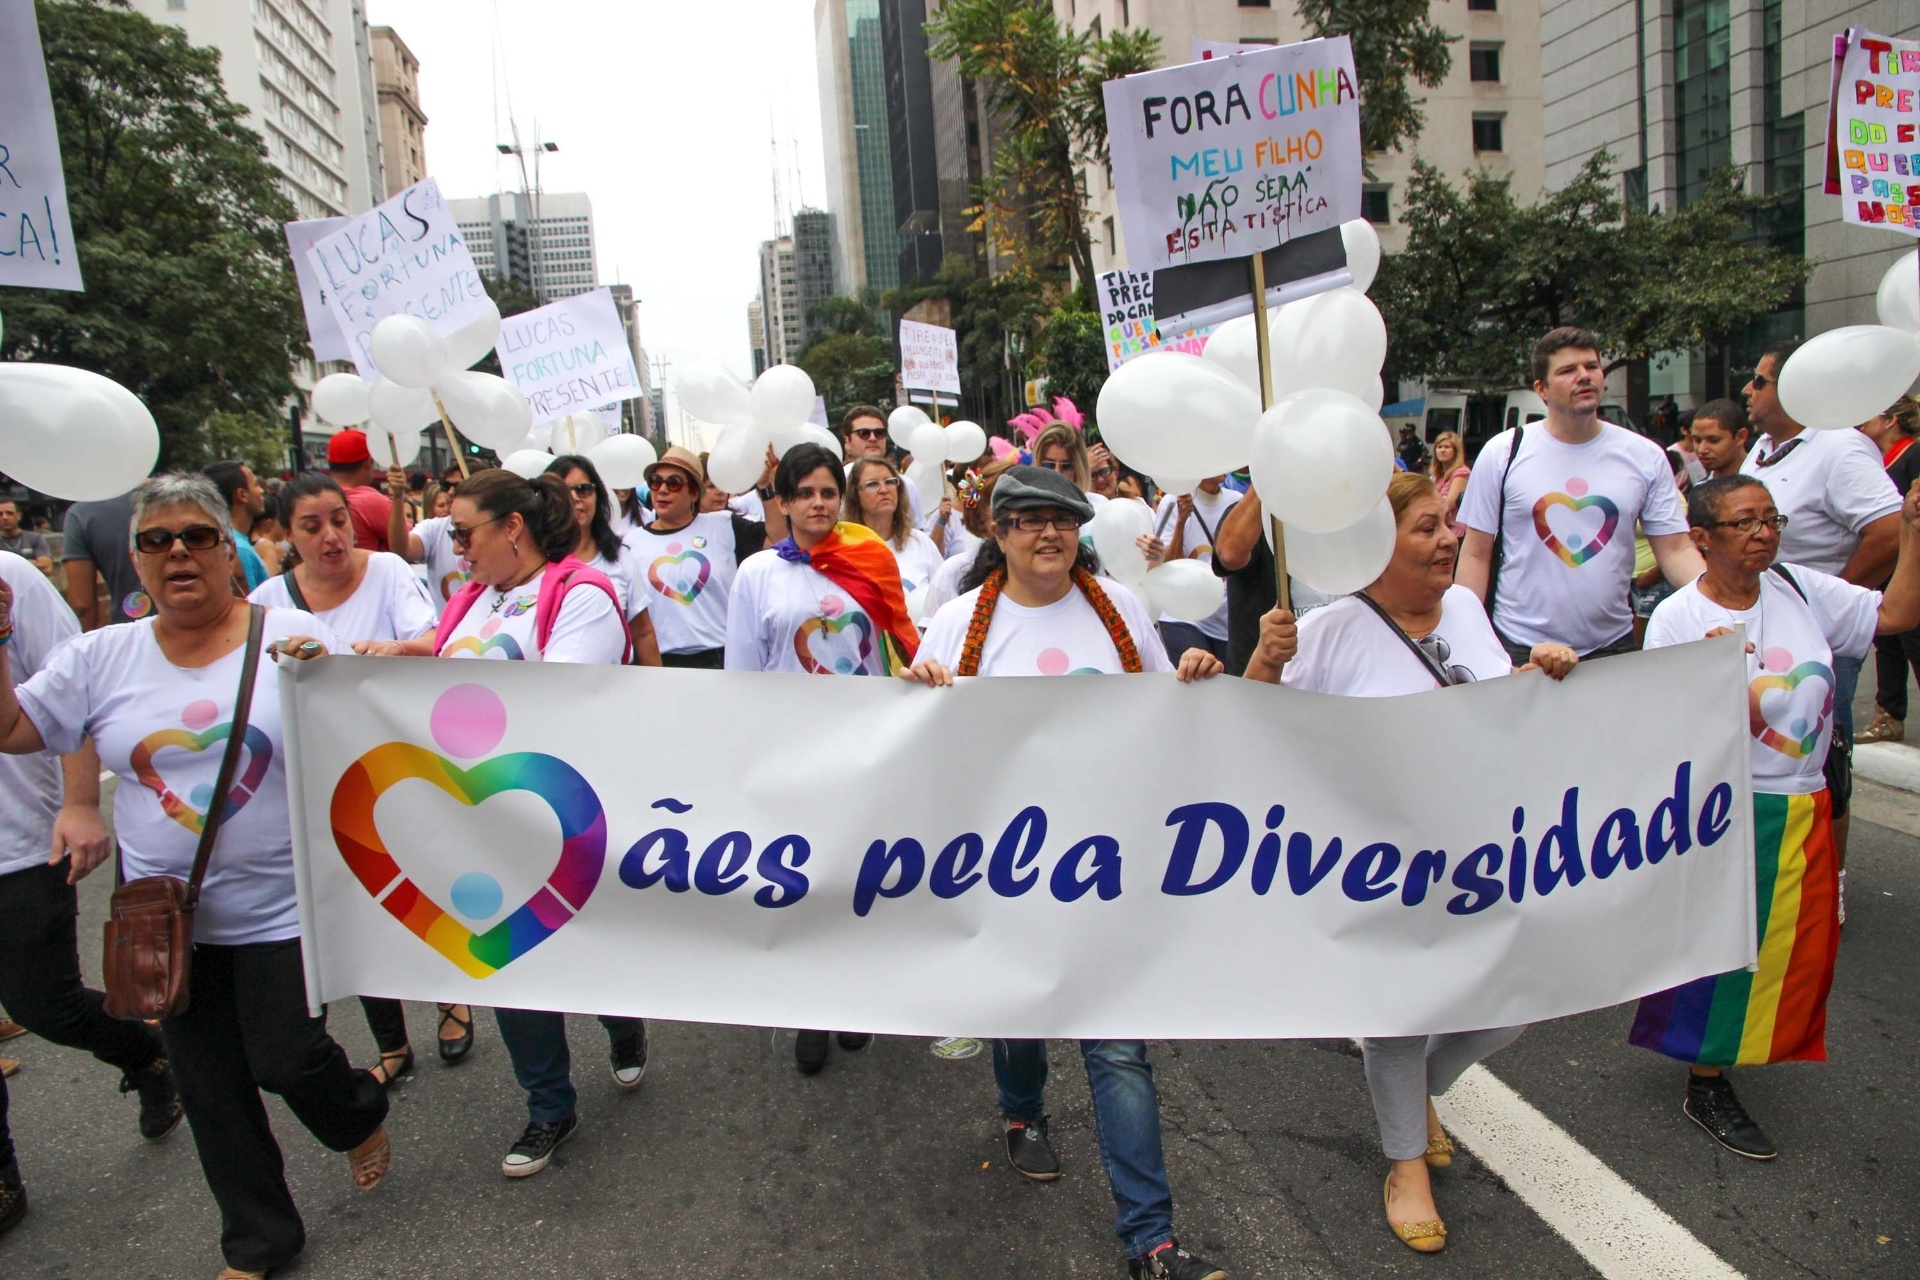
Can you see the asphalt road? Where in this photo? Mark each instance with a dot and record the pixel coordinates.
(728, 1163)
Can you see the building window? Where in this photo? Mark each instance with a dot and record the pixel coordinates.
(1259, 39)
(1483, 64)
(1703, 118)
(1373, 205)
(1126, 13)
(1482, 6)
(1486, 133)
(1256, 4)
(1093, 28)
(1112, 246)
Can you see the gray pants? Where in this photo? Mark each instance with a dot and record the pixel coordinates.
(1404, 1071)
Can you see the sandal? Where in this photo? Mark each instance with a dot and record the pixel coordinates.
(387, 1075)
(1421, 1237)
(451, 1051)
(370, 1159)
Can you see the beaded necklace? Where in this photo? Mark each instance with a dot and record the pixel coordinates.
(1102, 606)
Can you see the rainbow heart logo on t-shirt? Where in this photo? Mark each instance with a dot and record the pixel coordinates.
(1802, 733)
(681, 574)
(490, 641)
(838, 644)
(1577, 547)
(200, 733)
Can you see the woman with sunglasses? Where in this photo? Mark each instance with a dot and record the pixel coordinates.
(1409, 631)
(151, 695)
(601, 549)
(873, 499)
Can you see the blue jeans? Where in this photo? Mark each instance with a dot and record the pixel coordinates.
(1126, 1122)
(537, 1044)
(1846, 683)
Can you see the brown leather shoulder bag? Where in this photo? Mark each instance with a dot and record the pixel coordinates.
(149, 933)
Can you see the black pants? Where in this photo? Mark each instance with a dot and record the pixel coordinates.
(247, 1030)
(699, 659)
(6, 1134)
(1893, 656)
(40, 972)
(388, 1022)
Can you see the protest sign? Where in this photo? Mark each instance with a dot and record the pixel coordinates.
(1126, 317)
(405, 255)
(323, 325)
(569, 355)
(1875, 128)
(1222, 158)
(36, 231)
(929, 358)
(483, 832)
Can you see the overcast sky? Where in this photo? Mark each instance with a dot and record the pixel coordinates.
(664, 112)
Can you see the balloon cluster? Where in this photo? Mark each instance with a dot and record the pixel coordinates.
(73, 434)
(1320, 454)
(1843, 377)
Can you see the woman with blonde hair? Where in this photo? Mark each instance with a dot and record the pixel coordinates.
(1063, 448)
(873, 499)
(1447, 467)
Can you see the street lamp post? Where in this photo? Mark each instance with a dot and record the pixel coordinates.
(536, 240)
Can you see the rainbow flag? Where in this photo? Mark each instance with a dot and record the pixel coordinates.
(1779, 1012)
(862, 564)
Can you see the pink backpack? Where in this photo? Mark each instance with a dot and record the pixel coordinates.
(559, 577)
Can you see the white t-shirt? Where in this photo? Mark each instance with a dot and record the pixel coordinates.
(31, 787)
(447, 571)
(389, 604)
(1065, 638)
(633, 602)
(162, 729)
(1197, 545)
(1830, 486)
(960, 540)
(1348, 649)
(500, 625)
(687, 576)
(747, 504)
(786, 616)
(946, 583)
(918, 560)
(1571, 509)
(1790, 670)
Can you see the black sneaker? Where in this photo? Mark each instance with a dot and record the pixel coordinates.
(160, 1109)
(1030, 1151)
(629, 1057)
(810, 1052)
(852, 1040)
(530, 1154)
(1174, 1263)
(13, 1197)
(1711, 1105)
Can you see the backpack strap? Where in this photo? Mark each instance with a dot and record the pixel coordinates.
(292, 584)
(457, 605)
(1500, 524)
(562, 576)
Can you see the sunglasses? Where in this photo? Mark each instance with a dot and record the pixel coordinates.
(197, 537)
(460, 538)
(585, 489)
(870, 433)
(1760, 381)
(1062, 467)
(671, 481)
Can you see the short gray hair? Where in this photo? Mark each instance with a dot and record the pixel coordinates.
(171, 489)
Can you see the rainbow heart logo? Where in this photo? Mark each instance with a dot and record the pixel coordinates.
(200, 733)
(1802, 735)
(838, 662)
(468, 721)
(490, 640)
(1576, 550)
(680, 575)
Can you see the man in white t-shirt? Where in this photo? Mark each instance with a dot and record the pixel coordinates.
(1560, 498)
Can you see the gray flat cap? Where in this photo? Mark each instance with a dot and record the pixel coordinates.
(1033, 488)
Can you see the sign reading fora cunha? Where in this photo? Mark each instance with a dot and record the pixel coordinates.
(1226, 157)
(36, 231)
(569, 355)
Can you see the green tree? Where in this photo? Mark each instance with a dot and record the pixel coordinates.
(1483, 276)
(1042, 78)
(1073, 357)
(994, 321)
(1394, 42)
(849, 369)
(842, 314)
(190, 300)
(258, 441)
(510, 298)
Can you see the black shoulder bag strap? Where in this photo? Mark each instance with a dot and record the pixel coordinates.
(292, 585)
(1797, 590)
(230, 758)
(1426, 659)
(1500, 525)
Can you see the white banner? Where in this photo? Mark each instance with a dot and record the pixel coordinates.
(929, 358)
(1875, 117)
(1223, 158)
(405, 255)
(323, 324)
(36, 231)
(569, 355)
(1015, 857)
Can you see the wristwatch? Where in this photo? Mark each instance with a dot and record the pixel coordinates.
(766, 495)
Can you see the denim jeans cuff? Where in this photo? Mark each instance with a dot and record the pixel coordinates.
(1146, 1242)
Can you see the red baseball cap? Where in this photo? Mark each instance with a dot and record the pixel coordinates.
(348, 448)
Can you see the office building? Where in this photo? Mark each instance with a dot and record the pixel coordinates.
(857, 144)
(813, 266)
(551, 252)
(403, 124)
(757, 336)
(782, 320)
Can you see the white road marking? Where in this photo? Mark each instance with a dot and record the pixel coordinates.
(1620, 1232)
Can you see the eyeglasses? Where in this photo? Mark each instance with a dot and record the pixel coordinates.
(462, 537)
(197, 537)
(1103, 473)
(869, 433)
(1746, 526)
(671, 481)
(874, 486)
(1061, 467)
(585, 489)
(1033, 522)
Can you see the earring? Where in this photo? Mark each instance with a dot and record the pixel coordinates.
(513, 546)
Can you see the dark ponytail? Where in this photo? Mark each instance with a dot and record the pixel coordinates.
(543, 503)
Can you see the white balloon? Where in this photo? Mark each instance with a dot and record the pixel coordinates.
(341, 398)
(1185, 589)
(623, 461)
(576, 433)
(903, 422)
(397, 407)
(528, 441)
(73, 434)
(469, 345)
(787, 436)
(527, 463)
(1342, 562)
(1231, 346)
(488, 410)
(929, 476)
(1321, 460)
(1337, 337)
(814, 433)
(1113, 530)
(710, 393)
(782, 397)
(930, 443)
(1368, 388)
(966, 441)
(1363, 253)
(408, 442)
(1173, 413)
(1841, 378)
(1178, 485)
(737, 461)
(1898, 301)
(409, 351)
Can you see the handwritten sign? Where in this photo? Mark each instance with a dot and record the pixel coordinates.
(569, 356)
(1876, 131)
(1222, 158)
(405, 255)
(323, 326)
(36, 231)
(929, 358)
(1126, 314)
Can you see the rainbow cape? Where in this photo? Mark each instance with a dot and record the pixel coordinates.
(861, 564)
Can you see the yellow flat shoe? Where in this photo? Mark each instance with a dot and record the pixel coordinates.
(1421, 1237)
(1440, 1152)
